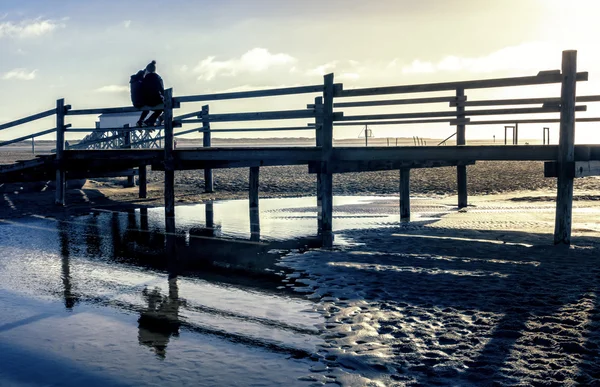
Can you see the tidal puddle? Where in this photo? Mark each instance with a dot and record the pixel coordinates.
(97, 300)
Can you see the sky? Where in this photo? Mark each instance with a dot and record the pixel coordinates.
(85, 51)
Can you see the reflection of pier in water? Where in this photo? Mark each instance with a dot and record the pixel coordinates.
(248, 263)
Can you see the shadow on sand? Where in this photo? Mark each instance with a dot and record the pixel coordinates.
(462, 307)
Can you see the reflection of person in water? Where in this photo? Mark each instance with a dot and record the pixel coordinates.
(160, 320)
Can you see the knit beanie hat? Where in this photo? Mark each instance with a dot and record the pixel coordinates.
(151, 68)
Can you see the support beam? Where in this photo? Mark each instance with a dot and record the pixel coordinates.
(169, 176)
(206, 142)
(461, 170)
(326, 176)
(143, 181)
(405, 194)
(253, 183)
(209, 214)
(127, 145)
(61, 181)
(319, 141)
(253, 201)
(566, 150)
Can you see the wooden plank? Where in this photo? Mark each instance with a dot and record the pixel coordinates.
(169, 191)
(188, 115)
(255, 116)
(486, 112)
(410, 101)
(541, 79)
(531, 121)
(124, 109)
(206, 142)
(27, 119)
(253, 184)
(382, 165)
(16, 140)
(401, 122)
(291, 128)
(587, 168)
(461, 139)
(306, 154)
(201, 164)
(251, 94)
(575, 169)
(122, 129)
(566, 150)
(101, 174)
(405, 194)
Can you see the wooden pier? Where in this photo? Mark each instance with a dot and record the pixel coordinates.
(564, 161)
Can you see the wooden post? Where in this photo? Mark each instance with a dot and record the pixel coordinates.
(169, 175)
(325, 173)
(405, 194)
(319, 142)
(516, 134)
(461, 170)
(208, 173)
(61, 183)
(209, 214)
(253, 192)
(254, 224)
(127, 145)
(143, 181)
(33, 145)
(566, 150)
(253, 200)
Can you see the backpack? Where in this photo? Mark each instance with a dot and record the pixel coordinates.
(135, 89)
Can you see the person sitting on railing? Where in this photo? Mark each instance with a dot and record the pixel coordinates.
(152, 93)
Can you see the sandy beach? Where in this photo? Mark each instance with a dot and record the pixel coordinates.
(476, 297)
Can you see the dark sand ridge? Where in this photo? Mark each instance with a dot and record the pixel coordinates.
(288, 181)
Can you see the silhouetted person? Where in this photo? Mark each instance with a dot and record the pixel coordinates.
(160, 320)
(147, 89)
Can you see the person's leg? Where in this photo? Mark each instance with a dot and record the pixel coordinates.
(142, 117)
(152, 119)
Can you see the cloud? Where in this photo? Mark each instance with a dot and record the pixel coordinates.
(323, 69)
(348, 76)
(112, 89)
(253, 61)
(527, 56)
(126, 23)
(418, 67)
(20, 74)
(29, 28)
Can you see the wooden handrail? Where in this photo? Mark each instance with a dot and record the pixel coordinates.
(125, 109)
(255, 116)
(540, 79)
(29, 136)
(524, 101)
(251, 94)
(451, 121)
(30, 118)
(487, 112)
